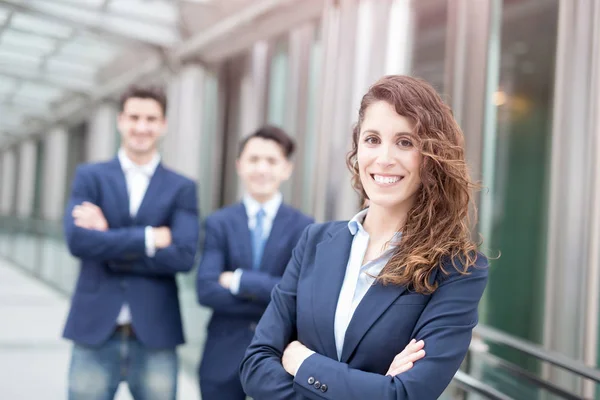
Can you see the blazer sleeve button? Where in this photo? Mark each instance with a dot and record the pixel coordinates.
(317, 385)
(311, 380)
(323, 388)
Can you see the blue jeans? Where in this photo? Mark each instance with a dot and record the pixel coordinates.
(95, 372)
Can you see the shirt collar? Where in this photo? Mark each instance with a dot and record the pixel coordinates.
(128, 165)
(270, 207)
(374, 267)
(355, 225)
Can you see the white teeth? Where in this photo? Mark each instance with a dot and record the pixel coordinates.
(386, 179)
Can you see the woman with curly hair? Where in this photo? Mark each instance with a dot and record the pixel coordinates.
(382, 306)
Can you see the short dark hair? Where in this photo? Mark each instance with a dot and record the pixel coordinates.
(274, 133)
(144, 92)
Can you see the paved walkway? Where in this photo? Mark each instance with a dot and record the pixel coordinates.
(34, 359)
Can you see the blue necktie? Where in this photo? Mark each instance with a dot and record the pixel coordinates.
(258, 242)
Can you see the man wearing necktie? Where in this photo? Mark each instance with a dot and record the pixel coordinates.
(133, 223)
(246, 249)
(258, 239)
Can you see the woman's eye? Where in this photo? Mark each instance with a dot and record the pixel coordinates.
(405, 143)
(371, 140)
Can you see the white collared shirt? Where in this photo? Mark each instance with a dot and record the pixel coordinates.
(357, 280)
(271, 207)
(137, 178)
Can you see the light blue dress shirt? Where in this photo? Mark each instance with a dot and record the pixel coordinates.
(358, 277)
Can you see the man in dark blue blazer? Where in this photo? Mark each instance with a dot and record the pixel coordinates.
(246, 249)
(133, 224)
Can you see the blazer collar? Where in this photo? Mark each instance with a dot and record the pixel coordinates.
(331, 259)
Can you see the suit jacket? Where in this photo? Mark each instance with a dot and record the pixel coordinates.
(227, 247)
(303, 308)
(114, 265)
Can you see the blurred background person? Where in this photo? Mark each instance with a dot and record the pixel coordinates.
(133, 223)
(246, 248)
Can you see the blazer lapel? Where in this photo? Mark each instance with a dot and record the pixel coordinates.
(376, 301)
(277, 232)
(152, 192)
(243, 239)
(120, 188)
(331, 259)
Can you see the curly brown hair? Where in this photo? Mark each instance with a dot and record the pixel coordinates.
(438, 227)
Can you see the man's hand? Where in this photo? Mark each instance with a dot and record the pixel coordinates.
(162, 237)
(89, 216)
(225, 279)
(405, 360)
(294, 355)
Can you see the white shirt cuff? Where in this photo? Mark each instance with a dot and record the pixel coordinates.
(234, 288)
(149, 237)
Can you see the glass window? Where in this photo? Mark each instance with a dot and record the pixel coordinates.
(28, 41)
(33, 90)
(15, 183)
(76, 154)
(13, 56)
(210, 124)
(40, 26)
(237, 78)
(2, 187)
(40, 157)
(156, 10)
(118, 139)
(78, 48)
(3, 15)
(430, 31)
(310, 136)
(278, 78)
(516, 173)
(7, 84)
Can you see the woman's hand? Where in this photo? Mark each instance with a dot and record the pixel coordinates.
(405, 360)
(294, 355)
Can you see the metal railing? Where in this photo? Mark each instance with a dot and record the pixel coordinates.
(471, 385)
(534, 350)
